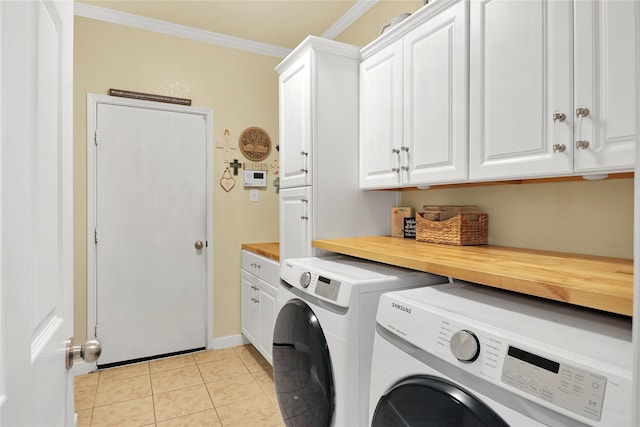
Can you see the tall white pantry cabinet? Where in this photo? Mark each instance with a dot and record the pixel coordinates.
(319, 193)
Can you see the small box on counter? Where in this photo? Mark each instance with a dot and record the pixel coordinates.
(410, 228)
(398, 214)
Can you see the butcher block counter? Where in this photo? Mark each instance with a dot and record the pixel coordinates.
(589, 281)
(269, 250)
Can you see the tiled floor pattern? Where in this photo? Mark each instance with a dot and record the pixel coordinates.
(228, 387)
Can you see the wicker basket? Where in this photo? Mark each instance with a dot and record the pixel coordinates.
(463, 230)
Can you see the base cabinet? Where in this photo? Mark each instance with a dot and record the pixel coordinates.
(259, 291)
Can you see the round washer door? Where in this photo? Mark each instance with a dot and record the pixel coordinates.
(302, 369)
(430, 401)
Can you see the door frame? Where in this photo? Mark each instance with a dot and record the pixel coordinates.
(207, 114)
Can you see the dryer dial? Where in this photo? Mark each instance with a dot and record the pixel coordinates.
(465, 346)
(305, 279)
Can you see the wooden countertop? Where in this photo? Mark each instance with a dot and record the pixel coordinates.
(269, 250)
(590, 281)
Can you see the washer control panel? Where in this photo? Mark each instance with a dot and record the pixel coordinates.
(572, 388)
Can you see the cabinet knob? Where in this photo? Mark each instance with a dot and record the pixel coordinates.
(304, 217)
(582, 145)
(405, 168)
(582, 112)
(395, 150)
(559, 148)
(304, 170)
(403, 148)
(559, 117)
(396, 170)
(304, 153)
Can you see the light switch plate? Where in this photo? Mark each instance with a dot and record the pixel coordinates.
(253, 195)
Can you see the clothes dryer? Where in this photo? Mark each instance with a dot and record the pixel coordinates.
(323, 336)
(468, 355)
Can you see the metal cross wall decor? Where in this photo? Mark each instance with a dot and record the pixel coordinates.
(235, 165)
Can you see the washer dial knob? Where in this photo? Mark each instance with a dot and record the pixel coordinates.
(465, 346)
(305, 279)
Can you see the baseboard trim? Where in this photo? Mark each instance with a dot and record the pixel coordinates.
(226, 342)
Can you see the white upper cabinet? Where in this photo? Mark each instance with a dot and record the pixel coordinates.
(605, 83)
(435, 98)
(413, 101)
(296, 122)
(534, 73)
(381, 118)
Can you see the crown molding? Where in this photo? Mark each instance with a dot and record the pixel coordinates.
(130, 20)
(357, 10)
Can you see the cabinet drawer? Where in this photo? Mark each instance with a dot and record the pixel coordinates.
(266, 269)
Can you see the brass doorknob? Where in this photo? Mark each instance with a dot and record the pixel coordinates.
(198, 244)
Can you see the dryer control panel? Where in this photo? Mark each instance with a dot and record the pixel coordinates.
(321, 285)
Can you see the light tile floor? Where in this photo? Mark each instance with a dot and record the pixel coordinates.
(228, 387)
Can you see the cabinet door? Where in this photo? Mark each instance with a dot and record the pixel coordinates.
(248, 305)
(605, 83)
(520, 75)
(295, 123)
(436, 98)
(295, 223)
(266, 318)
(381, 118)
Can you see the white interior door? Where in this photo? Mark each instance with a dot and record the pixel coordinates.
(36, 212)
(150, 211)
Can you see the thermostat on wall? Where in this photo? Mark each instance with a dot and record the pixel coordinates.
(255, 178)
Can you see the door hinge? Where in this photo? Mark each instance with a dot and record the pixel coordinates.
(95, 137)
(95, 236)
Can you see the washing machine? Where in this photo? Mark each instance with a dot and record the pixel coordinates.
(462, 354)
(323, 336)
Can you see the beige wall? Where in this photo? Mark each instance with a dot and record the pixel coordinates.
(587, 217)
(242, 90)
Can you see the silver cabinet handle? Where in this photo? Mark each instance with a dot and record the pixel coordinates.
(559, 117)
(304, 217)
(304, 153)
(395, 150)
(559, 148)
(89, 352)
(396, 170)
(582, 112)
(405, 168)
(304, 170)
(403, 148)
(582, 145)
